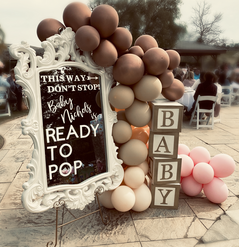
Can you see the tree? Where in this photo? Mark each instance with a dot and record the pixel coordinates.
(152, 17)
(207, 28)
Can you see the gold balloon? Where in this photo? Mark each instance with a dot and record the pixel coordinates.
(121, 132)
(146, 42)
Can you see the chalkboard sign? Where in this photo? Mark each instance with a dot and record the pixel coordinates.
(70, 122)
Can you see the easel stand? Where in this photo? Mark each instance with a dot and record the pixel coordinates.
(57, 205)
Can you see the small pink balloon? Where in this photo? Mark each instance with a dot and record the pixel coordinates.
(216, 191)
(203, 173)
(187, 165)
(123, 198)
(183, 149)
(200, 154)
(105, 199)
(190, 186)
(223, 165)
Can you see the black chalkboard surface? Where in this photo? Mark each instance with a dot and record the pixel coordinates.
(73, 126)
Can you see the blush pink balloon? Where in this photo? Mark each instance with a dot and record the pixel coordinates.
(187, 165)
(203, 173)
(223, 165)
(190, 186)
(200, 154)
(183, 149)
(216, 191)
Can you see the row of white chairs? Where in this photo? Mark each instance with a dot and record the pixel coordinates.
(231, 95)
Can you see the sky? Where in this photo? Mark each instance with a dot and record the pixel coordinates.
(19, 18)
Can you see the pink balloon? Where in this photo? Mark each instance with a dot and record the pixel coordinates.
(223, 165)
(216, 191)
(183, 149)
(203, 173)
(187, 165)
(191, 187)
(200, 154)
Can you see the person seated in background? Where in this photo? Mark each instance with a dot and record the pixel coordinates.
(200, 80)
(178, 74)
(189, 79)
(196, 73)
(223, 81)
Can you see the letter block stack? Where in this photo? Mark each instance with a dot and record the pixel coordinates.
(165, 166)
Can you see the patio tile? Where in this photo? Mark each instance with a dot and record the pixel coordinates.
(189, 242)
(3, 189)
(228, 243)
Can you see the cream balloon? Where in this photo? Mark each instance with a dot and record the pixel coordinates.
(105, 199)
(134, 177)
(121, 131)
(144, 166)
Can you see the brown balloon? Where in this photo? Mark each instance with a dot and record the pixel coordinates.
(174, 59)
(146, 42)
(105, 54)
(138, 114)
(166, 78)
(128, 69)
(105, 19)
(48, 27)
(175, 91)
(121, 38)
(121, 131)
(87, 38)
(156, 61)
(76, 15)
(137, 50)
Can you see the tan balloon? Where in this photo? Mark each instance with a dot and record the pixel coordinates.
(174, 59)
(128, 69)
(98, 99)
(156, 61)
(133, 152)
(144, 166)
(121, 131)
(137, 50)
(143, 198)
(123, 198)
(121, 96)
(148, 88)
(105, 199)
(166, 78)
(121, 116)
(175, 91)
(138, 114)
(105, 54)
(134, 177)
(105, 19)
(146, 42)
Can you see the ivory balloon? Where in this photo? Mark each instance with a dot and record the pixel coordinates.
(121, 96)
(105, 199)
(166, 78)
(203, 173)
(156, 61)
(200, 154)
(128, 69)
(143, 198)
(134, 177)
(140, 134)
(121, 131)
(137, 50)
(76, 15)
(146, 42)
(148, 88)
(144, 166)
(105, 54)
(48, 27)
(133, 152)
(175, 91)
(123, 198)
(105, 19)
(174, 59)
(138, 114)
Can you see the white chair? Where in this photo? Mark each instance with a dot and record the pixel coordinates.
(226, 99)
(235, 95)
(199, 112)
(5, 109)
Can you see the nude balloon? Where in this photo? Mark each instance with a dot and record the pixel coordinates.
(200, 154)
(137, 50)
(174, 59)
(105, 54)
(121, 96)
(146, 42)
(128, 69)
(190, 186)
(48, 27)
(138, 114)
(134, 177)
(140, 134)
(133, 152)
(144, 166)
(105, 199)
(76, 15)
(203, 173)
(148, 88)
(123, 198)
(166, 78)
(87, 38)
(105, 19)
(121, 131)
(156, 61)
(175, 91)
(183, 149)
(143, 198)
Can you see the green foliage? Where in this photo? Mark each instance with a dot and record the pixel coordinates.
(152, 17)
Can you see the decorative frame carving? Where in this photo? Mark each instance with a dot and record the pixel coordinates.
(61, 50)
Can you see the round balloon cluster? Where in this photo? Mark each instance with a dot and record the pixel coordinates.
(201, 172)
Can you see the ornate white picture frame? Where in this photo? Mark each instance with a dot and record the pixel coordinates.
(49, 182)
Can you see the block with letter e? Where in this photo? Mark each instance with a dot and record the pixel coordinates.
(166, 116)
